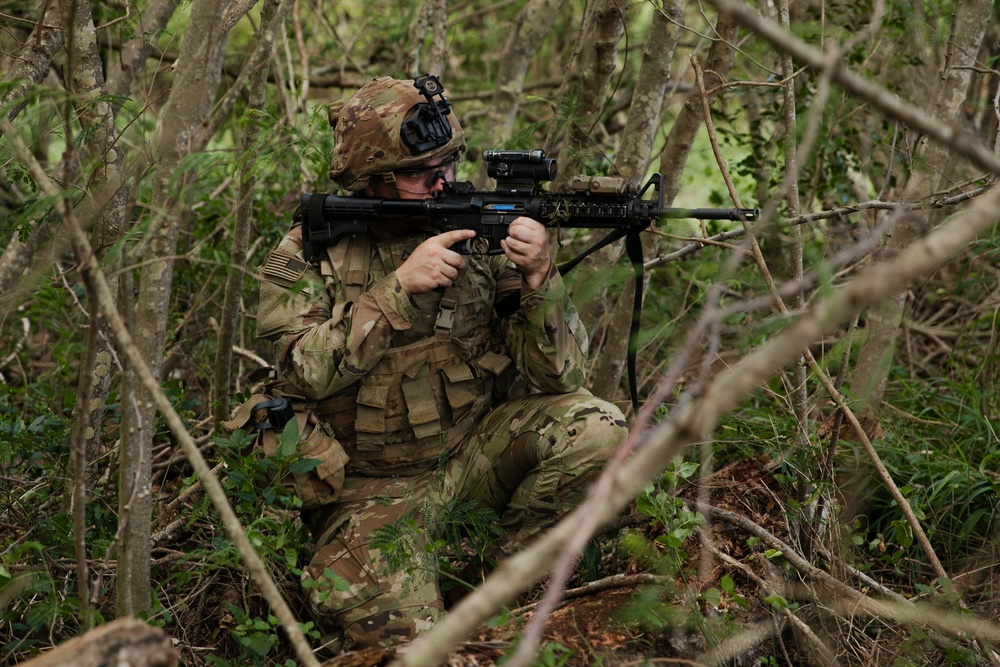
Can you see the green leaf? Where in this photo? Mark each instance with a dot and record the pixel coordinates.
(303, 466)
(499, 620)
(259, 644)
(776, 601)
(687, 469)
(644, 506)
(713, 596)
(288, 440)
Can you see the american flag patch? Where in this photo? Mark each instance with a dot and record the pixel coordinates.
(283, 268)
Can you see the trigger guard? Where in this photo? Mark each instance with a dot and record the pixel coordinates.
(480, 246)
(462, 248)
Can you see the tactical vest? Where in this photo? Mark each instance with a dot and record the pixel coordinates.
(418, 402)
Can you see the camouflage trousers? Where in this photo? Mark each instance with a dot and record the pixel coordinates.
(530, 460)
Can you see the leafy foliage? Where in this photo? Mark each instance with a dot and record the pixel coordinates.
(459, 536)
(938, 433)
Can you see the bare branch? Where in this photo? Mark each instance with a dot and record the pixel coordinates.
(950, 135)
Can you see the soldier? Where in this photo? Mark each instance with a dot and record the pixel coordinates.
(392, 344)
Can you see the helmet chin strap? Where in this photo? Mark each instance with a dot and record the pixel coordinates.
(389, 179)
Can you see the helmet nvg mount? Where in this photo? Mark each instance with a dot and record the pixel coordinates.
(391, 124)
(427, 128)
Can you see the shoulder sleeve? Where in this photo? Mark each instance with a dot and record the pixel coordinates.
(292, 293)
(324, 343)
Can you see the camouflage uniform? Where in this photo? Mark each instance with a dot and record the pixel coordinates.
(401, 392)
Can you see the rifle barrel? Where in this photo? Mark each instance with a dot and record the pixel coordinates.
(747, 214)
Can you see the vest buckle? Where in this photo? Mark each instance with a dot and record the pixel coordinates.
(446, 314)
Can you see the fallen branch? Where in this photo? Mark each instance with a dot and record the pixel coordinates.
(849, 601)
(127, 642)
(606, 584)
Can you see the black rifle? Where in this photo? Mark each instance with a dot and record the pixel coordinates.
(599, 202)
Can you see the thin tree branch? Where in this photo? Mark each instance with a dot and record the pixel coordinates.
(696, 244)
(949, 135)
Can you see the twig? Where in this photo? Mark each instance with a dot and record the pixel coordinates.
(822, 650)
(606, 584)
(182, 496)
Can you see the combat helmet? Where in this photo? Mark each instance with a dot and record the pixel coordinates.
(391, 124)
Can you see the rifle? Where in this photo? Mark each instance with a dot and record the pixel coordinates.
(596, 202)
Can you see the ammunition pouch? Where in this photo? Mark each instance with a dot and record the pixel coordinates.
(266, 413)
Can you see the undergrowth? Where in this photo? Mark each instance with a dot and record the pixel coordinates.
(938, 439)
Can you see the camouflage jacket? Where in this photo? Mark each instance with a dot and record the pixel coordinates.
(348, 337)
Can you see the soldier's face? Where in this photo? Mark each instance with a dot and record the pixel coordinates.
(421, 182)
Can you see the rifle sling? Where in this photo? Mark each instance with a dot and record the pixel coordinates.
(633, 246)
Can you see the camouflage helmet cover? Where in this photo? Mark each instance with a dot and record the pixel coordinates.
(366, 133)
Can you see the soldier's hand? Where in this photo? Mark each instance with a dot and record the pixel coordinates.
(433, 264)
(527, 245)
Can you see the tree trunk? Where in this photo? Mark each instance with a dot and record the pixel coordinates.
(26, 71)
(229, 318)
(533, 22)
(152, 19)
(585, 86)
(634, 155)
(610, 363)
(198, 74)
(437, 57)
(105, 162)
(15, 261)
(30, 66)
(108, 194)
(875, 358)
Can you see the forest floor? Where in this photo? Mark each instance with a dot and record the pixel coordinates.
(598, 622)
